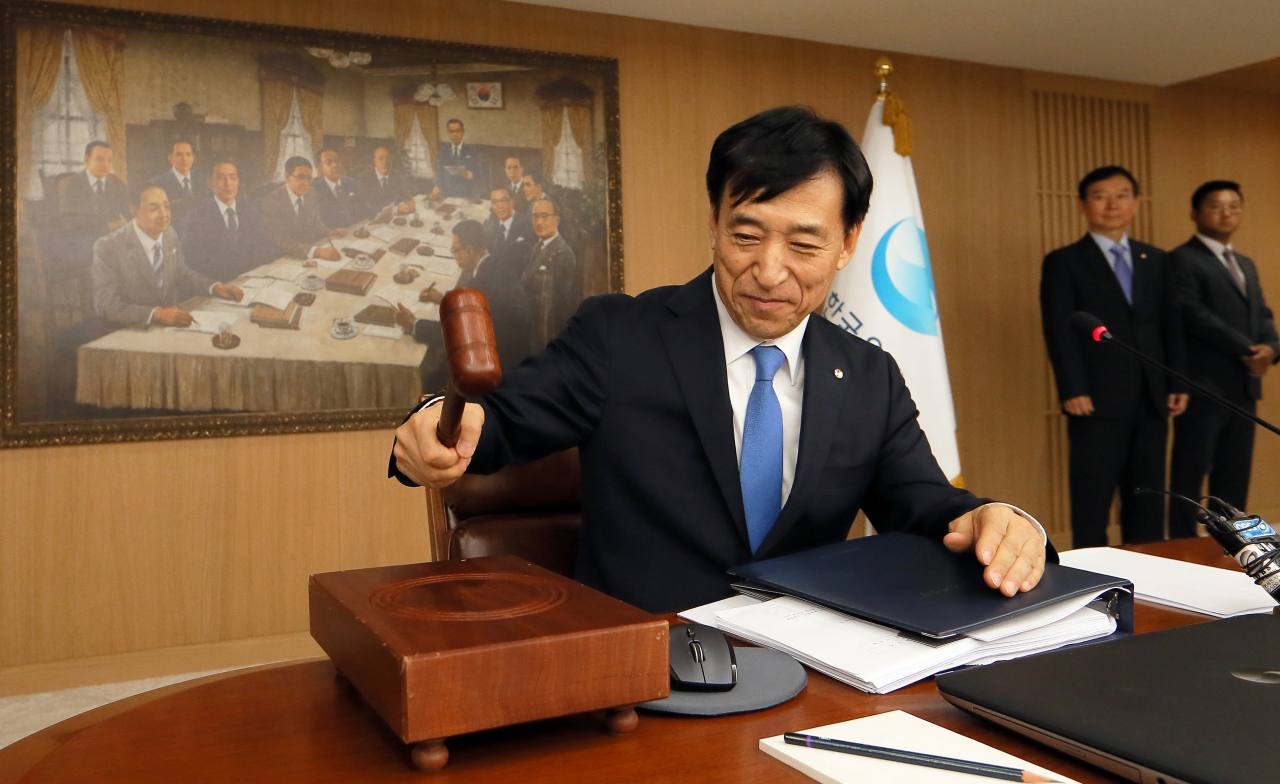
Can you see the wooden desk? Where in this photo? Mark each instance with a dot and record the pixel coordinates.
(294, 722)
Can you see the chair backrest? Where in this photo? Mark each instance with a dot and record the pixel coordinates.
(532, 511)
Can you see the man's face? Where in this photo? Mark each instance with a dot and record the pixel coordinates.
(545, 221)
(515, 172)
(1219, 214)
(774, 261)
(382, 161)
(502, 204)
(225, 182)
(98, 162)
(152, 212)
(331, 165)
(182, 158)
(466, 257)
(299, 180)
(455, 132)
(532, 192)
(1110, 205)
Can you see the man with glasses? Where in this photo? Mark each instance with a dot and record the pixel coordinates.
(1231, 343)
(549, 274)
(293, 217)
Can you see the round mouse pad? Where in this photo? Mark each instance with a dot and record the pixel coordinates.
(765, 678)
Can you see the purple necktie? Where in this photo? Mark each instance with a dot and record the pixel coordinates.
(1124, 272)
(1237, 274)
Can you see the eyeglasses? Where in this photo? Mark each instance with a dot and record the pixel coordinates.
(543, 215)
(1229, 207)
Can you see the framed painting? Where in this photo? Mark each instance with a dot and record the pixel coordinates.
(223, 228)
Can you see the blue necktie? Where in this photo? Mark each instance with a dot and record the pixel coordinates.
(1124, 272)
(760, 467)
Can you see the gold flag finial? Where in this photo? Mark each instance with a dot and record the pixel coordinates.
(883, 67)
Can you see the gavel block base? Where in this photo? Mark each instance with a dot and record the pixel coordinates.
(451, 647)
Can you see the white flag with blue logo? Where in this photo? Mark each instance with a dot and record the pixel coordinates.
(885, 295)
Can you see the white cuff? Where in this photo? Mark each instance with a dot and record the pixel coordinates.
(151, 316)
(1024, 516)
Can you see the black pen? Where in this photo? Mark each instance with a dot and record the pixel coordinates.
(914, 758)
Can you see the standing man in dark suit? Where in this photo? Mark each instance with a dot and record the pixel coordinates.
(718, 422)
(140, 277)
(294, 227)
(92, 204)
(510, 235)
(337, 195)
(1231, 344)
(225, 236)
(549, 274)
(382, 186)
(457, 165)
(181, 181)
(514, 185)
(1118, 409)
(480, 270)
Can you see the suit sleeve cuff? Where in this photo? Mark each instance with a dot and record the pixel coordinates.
(1034, 522)
(393, 470)
(151, 316)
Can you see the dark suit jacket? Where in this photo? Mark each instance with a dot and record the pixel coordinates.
(513, 251)
(398, 189)
(343, 209)
(507, 307)
(548, 280)
(290, 233)
(1220, 323)
(1078, 277)
(173, 187)
(210, 248)
(79, 212)
(522, 207)
(124, 283)
(456, 185)
(639, 385)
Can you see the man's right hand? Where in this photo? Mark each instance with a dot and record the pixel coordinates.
(328, 253)
(1078, 406)
(171, 317)
(420, 455)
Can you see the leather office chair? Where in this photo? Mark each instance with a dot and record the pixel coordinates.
(532, 511)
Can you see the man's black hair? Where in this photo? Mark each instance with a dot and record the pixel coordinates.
(767, 155)
(539, 179)
(1105, 173)
(88, 148)
(1213, 186)
(471, 235)
(293, 163)
(136, 191)
(187, 142)
(453, 120)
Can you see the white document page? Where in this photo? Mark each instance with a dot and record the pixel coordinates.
(209, 321)
(897, 730)
(379, 331)
(393, 295)
(1186, 586)
(366, 246)
(272, 297)
(706, 614)
(386, 234)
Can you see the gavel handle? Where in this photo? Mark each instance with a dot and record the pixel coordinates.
(450, 425)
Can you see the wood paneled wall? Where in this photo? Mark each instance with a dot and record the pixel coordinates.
(198, 549)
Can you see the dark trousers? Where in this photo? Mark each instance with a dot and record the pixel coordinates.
(1209, 439)
(1106, 453)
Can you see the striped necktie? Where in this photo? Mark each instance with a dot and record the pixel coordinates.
(157, 263)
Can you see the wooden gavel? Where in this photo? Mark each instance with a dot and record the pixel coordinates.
(472, 351)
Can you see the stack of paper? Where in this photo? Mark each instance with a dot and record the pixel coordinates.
(1186, 586)
(896, 730)
(879, 659)
(209, 321)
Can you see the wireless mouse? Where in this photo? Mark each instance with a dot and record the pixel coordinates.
(701, 659)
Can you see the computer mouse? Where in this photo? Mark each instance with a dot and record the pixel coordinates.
(1270, 677)
(701, 659)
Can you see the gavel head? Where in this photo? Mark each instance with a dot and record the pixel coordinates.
(469, 343)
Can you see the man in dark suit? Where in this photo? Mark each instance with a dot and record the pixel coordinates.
(139, 273)
(1231, 344)
(337, 195)
(514, 185)
(699, 450)
(383, 186)
(510, 235)
(91, 204)
(480, 270)
(457, 165)
(549, 274)
(293, 222)
(181, 180)
(224, 236)
(1117, 408)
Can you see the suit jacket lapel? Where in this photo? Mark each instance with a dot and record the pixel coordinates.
(696, 350)
(1098, 260)
(143, 261)
(824, 397)
(1212, 260)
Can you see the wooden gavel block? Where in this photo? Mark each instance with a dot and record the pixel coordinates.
(472, 352)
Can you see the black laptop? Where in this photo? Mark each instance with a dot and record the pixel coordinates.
(1195, 705)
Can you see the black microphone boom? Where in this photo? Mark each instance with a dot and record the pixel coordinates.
(1097, 331)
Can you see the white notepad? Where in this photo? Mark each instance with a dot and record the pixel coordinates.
(1186, 586)
(897, 730)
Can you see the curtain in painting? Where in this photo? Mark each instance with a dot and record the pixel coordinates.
(39, 55)
(100, 58)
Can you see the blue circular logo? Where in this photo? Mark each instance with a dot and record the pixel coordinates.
(903, 279)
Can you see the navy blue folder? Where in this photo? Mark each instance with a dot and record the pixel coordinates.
(916, 584)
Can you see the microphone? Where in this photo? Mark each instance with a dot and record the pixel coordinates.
(1097, 331)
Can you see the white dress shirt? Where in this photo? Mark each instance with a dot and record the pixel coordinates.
(1105, 244)
(223, 207)
(93, 182)
(1220, 250)
(506, 225)
(333, 186)
(183, 179)
(788, 385)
